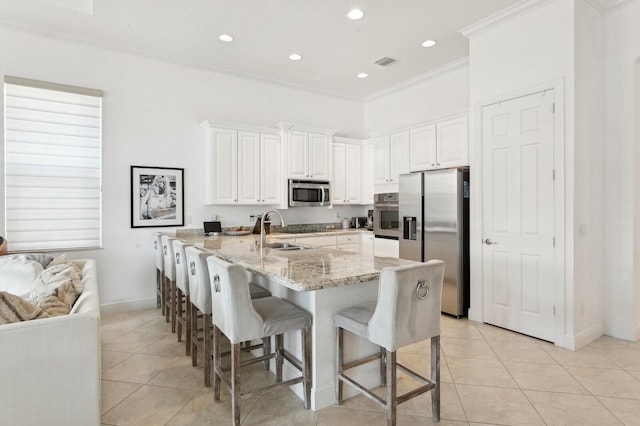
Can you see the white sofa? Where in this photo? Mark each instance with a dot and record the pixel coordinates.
(50, 368)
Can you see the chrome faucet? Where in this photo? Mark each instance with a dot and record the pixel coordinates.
(262, 233)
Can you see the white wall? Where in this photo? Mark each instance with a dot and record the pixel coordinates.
(441, 95)
(621, 183)
(152, 110)
(588, 151)
(530, 50)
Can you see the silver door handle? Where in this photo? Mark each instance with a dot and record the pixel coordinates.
(322, 195)
(489, 242)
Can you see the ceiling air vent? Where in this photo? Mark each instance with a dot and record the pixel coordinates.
(386, 61)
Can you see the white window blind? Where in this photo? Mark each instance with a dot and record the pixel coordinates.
(53, 165)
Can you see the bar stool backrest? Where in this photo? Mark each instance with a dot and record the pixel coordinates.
(199, 290)
(182, 278)
(169, 258)
(234, 312)
(409, 305)
(157, 246)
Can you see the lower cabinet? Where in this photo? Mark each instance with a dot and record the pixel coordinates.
(366, 244)
(386, 248)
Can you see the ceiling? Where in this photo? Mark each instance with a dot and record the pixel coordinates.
(334, 48)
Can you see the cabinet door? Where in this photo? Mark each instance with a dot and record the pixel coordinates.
(223, 166)
(453, 143)
(328, 241)
(352, 174)
(339, 183)
(319, 156)
(248, 168)
(386, 248)
(422, 148)
(381, 159)
(270, 169)
(399, 150)
(366, 185)
(298, 154)
(366, 244)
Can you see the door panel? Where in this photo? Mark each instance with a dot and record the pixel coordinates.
(518, 205)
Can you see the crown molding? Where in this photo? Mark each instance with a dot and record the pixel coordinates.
(459, 63)
(614, 4)
(518, 9)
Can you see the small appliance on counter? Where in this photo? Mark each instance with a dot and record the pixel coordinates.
(346, 223)
(212, 228)
(359, 222)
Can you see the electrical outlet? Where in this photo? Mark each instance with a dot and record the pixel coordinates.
(252, 218)
(338, 214)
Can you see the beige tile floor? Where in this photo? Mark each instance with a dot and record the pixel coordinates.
(489, 376)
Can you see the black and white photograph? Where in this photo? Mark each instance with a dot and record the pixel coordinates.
(157, 196)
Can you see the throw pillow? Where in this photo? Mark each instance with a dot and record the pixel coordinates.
(17, 274)
(56, 275)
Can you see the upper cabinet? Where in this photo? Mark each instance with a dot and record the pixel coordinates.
(347, 176)
(366, 186)
(309, 155)
(452, 143)
(391, 157)
(242, 167)
(422, 148)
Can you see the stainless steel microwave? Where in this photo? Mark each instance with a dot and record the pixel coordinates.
(309, 193)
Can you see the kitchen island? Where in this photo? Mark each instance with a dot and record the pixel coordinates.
(321, 280)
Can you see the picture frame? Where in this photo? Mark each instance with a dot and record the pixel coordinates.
(157, 196)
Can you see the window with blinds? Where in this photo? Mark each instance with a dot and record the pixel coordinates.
(53, 165)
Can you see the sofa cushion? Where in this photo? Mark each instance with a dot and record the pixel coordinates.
(17, 274)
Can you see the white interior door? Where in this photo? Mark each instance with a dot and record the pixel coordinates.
(517, 214)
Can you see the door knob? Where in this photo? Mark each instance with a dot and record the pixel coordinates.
(489, 242)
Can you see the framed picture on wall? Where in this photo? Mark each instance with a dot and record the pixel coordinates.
(157, 196)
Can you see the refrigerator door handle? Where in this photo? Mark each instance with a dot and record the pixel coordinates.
(489, 242)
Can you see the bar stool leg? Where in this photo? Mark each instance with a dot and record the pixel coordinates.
(217, 362)
(158, 288)
(207, 349)
(391, 388)
(173, 306)
(179, 314)
(187, 337)
(194, 336)
(339, 363)
(167, 294)
(435, 377)
(235, 382)
(383, 366)
(306, 367)
(279, 357)
(266, 350)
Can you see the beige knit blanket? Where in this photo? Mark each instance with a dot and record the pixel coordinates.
(54, 292)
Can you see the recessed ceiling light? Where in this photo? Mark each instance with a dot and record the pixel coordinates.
(363, 75)
(295, 57)
(428, 43)
(225, 37)
(355, 14)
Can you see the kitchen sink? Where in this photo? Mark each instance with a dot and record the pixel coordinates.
(284, 246)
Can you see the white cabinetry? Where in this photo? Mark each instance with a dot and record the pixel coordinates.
(366, 243)
(440, 145)
(366, 193)
(386, 248)
(452, 143)
(309, 155)
(242, 167)
(349, 242)
(347, 177)
(422, 148)
(391, 157)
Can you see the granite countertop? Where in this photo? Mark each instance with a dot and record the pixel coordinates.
(314, 268)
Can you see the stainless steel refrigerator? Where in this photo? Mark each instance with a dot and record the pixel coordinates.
(434, 216)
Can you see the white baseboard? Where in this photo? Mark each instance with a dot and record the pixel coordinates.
(131, 305)
(623, 332)
(369, 378)
(583, 338)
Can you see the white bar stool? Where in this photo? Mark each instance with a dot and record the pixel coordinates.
(183, 300)
(157, 248)
(407, 311)
(169, 280)
(240, 319)
(200, 296)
